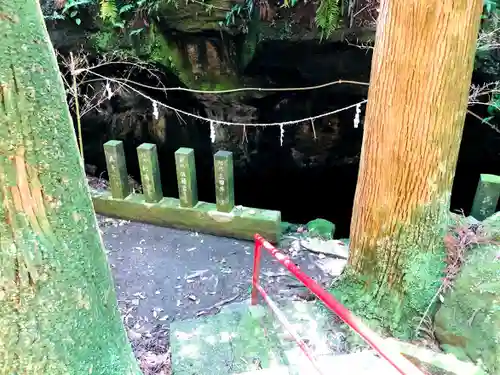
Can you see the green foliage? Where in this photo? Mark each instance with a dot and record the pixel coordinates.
(243, 10)
(487, 61)
(119, 13)
(108, 10)
(71, 9)
(493, 108)
(328, 17)
(490, 6)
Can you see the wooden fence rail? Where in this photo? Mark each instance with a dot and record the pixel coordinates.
(222, 218)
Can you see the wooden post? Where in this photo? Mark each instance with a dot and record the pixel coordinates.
(486, 198)
(150, 172)
(117, 169)
(186, 177)
(224, 181)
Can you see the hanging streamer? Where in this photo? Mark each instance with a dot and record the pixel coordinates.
(313, 128)
(282, 134)
(108, 90)
(356, 116)
(212, 131)
(156, 113)
(245, 137)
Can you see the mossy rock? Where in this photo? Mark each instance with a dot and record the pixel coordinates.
(492, 226)
(195, 17)
(288, 227)
(468, 322)
(321, 228)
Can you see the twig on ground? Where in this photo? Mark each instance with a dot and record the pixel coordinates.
(217, 305)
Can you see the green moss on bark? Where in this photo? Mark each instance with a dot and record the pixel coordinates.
(397, 286)
(58, 309)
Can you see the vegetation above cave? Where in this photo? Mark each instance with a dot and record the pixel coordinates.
(231, 16)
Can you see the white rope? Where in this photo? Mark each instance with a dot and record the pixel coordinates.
(230, 123)
(228, 91)
(282, 123)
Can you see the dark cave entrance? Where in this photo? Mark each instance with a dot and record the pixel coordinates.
(303, 194)
(303, 178)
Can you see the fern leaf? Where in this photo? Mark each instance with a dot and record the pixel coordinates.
(328, 17)
(126, 8)
(108, 10)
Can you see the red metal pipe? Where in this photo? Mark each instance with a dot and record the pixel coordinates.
(284, 321)
(395, 358)
(256, 272)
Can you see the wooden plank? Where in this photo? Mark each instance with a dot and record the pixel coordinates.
(486, 198)
(224, 181)
(241, 222)
(117, 169)
(150, 172)
(186, 177)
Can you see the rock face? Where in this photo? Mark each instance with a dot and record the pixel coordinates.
(275, 47)
(468, 322)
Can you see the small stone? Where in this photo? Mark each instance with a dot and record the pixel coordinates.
(332, 266)
(321, 228)
(133, 335)
(331, 247)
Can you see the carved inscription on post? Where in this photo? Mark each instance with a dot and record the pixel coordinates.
(224, 181)
(186, 177)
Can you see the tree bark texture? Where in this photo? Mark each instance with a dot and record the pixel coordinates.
(58, 308)
(420, 77)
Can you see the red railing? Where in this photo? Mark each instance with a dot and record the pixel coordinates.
(393, 357)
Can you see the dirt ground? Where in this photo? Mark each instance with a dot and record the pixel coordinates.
(164, 274)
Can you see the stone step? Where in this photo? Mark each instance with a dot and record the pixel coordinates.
(314, 325)
(360, 363)
(279, 370)
(249, 340)
(236, 340)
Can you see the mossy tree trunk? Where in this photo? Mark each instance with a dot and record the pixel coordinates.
(58, 309)
(421, 73)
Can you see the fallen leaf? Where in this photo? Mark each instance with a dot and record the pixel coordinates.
(195, 274)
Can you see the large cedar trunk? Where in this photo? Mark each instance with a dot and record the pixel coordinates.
(58, 309)
(421, 73)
